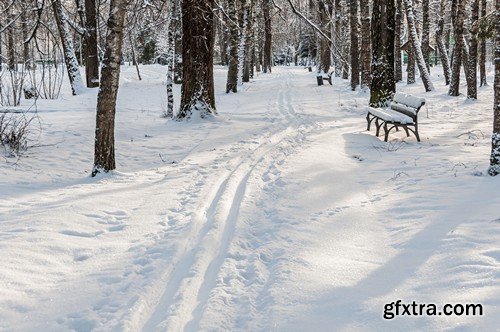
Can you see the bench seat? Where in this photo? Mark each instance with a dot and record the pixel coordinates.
(390, 115)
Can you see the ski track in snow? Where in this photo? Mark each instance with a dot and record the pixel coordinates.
(271, 224)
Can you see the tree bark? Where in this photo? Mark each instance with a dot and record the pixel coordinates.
(398, 66)
(169, 81)
(198, 71)
(92, 54)
(383, 85)
(353, 10)
(424, 74)
(247, 66)
(495, 142)
(458, 24)
(232, 73)
(104, 149)
(366, 49)
(472, 59)
(324, 14)
(70, 60)
(482, 51)
(267, 36)
(443, 52)
(426, 49)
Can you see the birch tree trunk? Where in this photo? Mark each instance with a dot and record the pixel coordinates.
(169, 81)
(365, 43)
(198, 41)
(424, 74)
(242, 39)
(104, 149)
(247, 65)
(353, 17)
(443, 52)
(458, 24)
(232, 73)
(383, 85)
(495, 142)
(70, 60)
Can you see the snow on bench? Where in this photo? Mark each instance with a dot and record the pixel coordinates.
(403, 113)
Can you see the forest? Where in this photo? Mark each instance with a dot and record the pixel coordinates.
(289, 165)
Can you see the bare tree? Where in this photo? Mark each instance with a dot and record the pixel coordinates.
(70, 60)
(424, 73)
(458, 15)
(443, 52)
(104, 149)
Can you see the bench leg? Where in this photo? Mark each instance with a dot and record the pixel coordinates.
(386, 130)
(369, 121)
(377, 124)
(406, 131)
(416, 133)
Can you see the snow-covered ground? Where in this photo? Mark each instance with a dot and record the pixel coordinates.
(281, 214)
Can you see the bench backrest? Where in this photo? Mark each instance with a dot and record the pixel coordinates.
(407, 104)
(409, 100)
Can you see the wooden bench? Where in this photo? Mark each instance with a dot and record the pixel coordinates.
(403, 113)
(322, 77)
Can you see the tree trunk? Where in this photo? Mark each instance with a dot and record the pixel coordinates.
(458, 24)
(337, 31)
(398, 66)
(353, 9)
(443, 52)
(104, 150)
(482, 51)
(169, 81)
(247, 66)
(324, 14)
(366, 49)
(198, 47)
(70, 60)
(383, 84)
(232, 73)
(424, 74)
(495, 142)
(178, 67)
(243, 39)
(92, 57)
(426, 49)
(346, 43)
(26, 46)
(267, 36)
(472, 59)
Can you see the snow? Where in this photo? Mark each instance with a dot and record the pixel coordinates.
(281, 213)
(389, 115)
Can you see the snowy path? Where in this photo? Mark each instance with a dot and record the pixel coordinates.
(281, 215)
